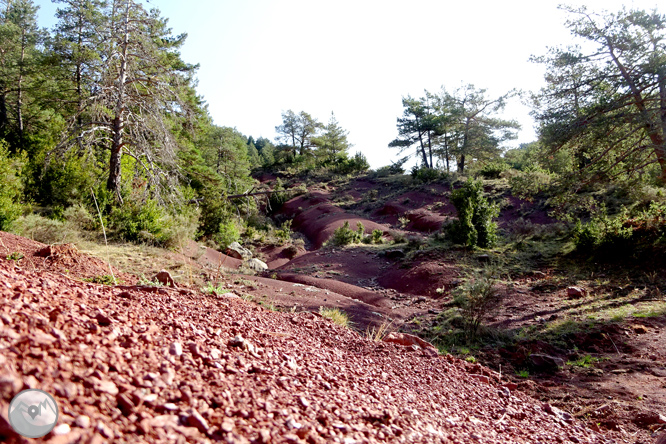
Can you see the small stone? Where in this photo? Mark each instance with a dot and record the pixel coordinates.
(62, 429)
(105, 387)
(257, 265)
(10, 385)
(481, 378)
(546, 363)
(264, 436)
(102, 319)
(575, 292)
(292, 424)
(104, 429)
(168, 375)
(125, 404)
(194, 348)
(215, 354)
(237, 251)
(237, 341)
(82, 421)
(227, 425)
(164, 278)
(176, 349)
(196, 420)
(170, 407)
(164, 421)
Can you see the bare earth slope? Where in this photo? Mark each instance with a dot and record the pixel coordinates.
(175, 366)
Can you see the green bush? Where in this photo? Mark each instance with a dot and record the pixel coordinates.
(180, 228)
(44, 230)
(475, 224)
(278, 197)
(78, 217)
(377, 236)
(140, 222)
(345, 235)
(478, 297)
(530, 182)
(228, 233)
(357, 164)
(11, 186)
(423, 174)
(493, 170)
(613, 237)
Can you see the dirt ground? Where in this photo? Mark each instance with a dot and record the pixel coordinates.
(611, 341)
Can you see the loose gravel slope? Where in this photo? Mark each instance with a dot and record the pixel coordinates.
(128, 365)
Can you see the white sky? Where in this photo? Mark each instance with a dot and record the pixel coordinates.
(358, 58)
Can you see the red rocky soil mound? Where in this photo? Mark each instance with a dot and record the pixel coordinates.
(58, 258)
(173, 366)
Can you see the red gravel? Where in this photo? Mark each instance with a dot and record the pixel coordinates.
(136, 366)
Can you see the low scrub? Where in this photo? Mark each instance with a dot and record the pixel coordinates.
(346, 236)
(615, 237)
(44, 230)
(336, 315)
(475, 225)
(478, 298)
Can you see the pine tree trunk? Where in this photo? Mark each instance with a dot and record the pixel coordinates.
(118, 127)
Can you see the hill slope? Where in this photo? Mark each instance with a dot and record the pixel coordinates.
(129, 365)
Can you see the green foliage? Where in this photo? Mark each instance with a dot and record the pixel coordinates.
(475, 224)
(140, 222)
(377, 236)
(103, 279)
(15, 256)
(227, 233)
(531, 181)
(284, 233)
(425, 174)
(278, 197)
(345, 235)
(44, 230)
(492, 169)
(394, 168)
(616, 237)
(586, 361)
(357, 164)
(11, 186)
(478, 297)
(336, 315)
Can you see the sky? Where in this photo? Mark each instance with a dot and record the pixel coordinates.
(358, 58)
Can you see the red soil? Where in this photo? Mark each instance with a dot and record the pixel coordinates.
(175, 366)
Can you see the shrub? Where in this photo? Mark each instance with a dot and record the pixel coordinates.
(621, 235)
(11, 186)
(377, 236)
(424, 174)
(227, 234)
(336, 315)
(284, 233)
(140, 222)
(357, 164)
(493, 170)
(394, 168)
(44, 230)
(180, 228)
(478, 298)
(78, 216)
(475, 224)
(345, 235)
(530, 182)
(278, 197)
